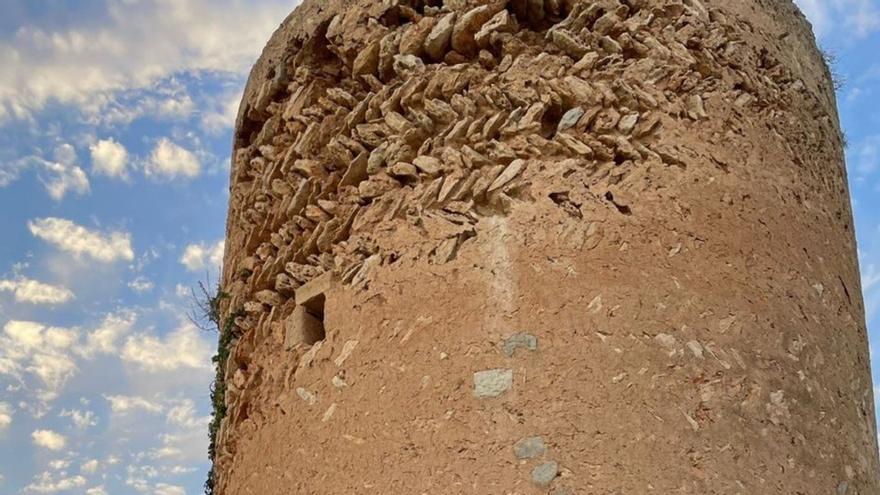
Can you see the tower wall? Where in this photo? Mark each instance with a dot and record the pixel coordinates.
(529, 246)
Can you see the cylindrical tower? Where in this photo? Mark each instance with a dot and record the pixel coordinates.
(542, 246)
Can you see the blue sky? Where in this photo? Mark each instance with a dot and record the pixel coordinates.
(115, 125)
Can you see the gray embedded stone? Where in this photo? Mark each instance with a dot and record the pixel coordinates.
(570, 119)
(492, 383)
(529, 448)
(544, 474)
(842, 488)
(519, 341)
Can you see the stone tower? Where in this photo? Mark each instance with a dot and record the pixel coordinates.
(542, 246)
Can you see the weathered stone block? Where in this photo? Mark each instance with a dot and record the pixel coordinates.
(492, 383)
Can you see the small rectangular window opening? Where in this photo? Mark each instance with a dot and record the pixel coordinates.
(306, 324)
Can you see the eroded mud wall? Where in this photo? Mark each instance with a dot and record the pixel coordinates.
(543, 246)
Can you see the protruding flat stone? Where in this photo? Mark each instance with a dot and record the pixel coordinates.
(357, 171)
(269, 297)
(413, 40)
(503, 22)
(367, 61)
(437, 41)
(467, 26)
(568, 43)
(428, 165)
(510, 173)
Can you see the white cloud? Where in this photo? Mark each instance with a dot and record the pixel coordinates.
(109, 158)
(33, 292)
(131, 46)
(166, 99)
(32, 349)
(45, 358)
(171, 161)
(103, 339)
(59, 464)
(222, 116)
(166, 452)
(182, 291)
(141, 285)
(90, 467)
(41, 360)
(165, 489)
(121, 404)
(180, 470)
(49, 440)
(198, 257)
(64, 175)
(33, 335)
(184, 414)
(59, 175)
(139, 484)
(181, 349)
(54, 369)
(65, 178)
(98, 490)
(5, 415)
(46, 483)
(80, 419)
(78, 240)
(858, 18)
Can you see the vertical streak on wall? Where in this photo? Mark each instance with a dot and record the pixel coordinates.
(502, 291)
